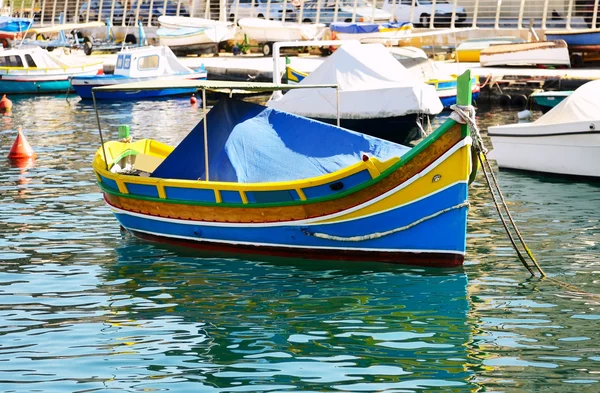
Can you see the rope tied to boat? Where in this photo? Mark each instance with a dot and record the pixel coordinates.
(378, 235)
(465, 114)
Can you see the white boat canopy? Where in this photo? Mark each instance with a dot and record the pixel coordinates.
(582, 105)
(372, 84)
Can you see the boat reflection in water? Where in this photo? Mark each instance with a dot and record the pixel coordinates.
(279, 324)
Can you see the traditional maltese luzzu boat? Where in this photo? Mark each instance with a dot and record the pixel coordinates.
(252, 179)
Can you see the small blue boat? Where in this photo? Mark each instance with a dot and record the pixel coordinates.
(575, 37)
(547, 100)
(140, 65)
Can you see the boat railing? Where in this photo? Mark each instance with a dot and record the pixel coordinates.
(222, 192)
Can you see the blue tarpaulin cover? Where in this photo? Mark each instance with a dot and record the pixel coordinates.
(354, 28)
(363, 27)
(250, 143)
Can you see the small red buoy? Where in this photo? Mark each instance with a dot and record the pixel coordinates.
(193, 100)
(21, 149)
(100, 71)
(5, 105)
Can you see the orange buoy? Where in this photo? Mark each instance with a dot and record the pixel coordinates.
(5, 105)
(21, 149)
(100, 71)
(193, 100)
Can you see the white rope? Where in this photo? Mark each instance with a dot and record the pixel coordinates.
(377, 235)
(466, 114)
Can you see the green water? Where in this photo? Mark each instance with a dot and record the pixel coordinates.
(85, 307)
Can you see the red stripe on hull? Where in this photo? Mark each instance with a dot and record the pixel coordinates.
(432, 259)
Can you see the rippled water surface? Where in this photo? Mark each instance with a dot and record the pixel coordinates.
(85, 307)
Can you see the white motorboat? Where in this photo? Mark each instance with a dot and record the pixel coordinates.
(267, 32)
(188, 40)
(221, 31)
(566, 140)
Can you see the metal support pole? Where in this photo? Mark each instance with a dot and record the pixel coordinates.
(205, 133)
(337, 103)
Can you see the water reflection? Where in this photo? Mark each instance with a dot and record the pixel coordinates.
(84, 307)
(304, 324)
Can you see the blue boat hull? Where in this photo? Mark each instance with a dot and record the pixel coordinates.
(447, 102)
(25, 87)
(583, 38)
(85, 90)
(445, 233)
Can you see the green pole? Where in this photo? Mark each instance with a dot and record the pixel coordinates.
(464, 93)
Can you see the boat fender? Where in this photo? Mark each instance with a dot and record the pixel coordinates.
(592, 126)
(519, 101)
(193, 99)
(524, 115)
(504, 100)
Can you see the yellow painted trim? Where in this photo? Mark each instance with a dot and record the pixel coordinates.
(301, 194)
(157, 149)
(121, 185)
(218, 196)
(47, 69)
(453, 169)
(244, 197)
(161, 190)
(373, 171)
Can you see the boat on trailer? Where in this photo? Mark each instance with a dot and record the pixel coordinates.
(261, 181)
(267, 32)
(564, 141)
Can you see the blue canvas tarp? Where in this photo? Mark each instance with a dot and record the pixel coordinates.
(354, 28)
(249, 143)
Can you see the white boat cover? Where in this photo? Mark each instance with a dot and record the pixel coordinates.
(582, 105)
(372, 84)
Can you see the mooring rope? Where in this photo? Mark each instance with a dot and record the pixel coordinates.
(467, 114)
(378, 235)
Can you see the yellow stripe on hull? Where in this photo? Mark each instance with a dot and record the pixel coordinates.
(453, 169)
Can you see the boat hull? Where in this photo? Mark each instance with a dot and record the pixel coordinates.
(565, 149)
(548, 100)
(438, 242)
(34, 87)
(263, 31)
(38, 82)
(83, 87)
(524, 54)
(574, 38)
